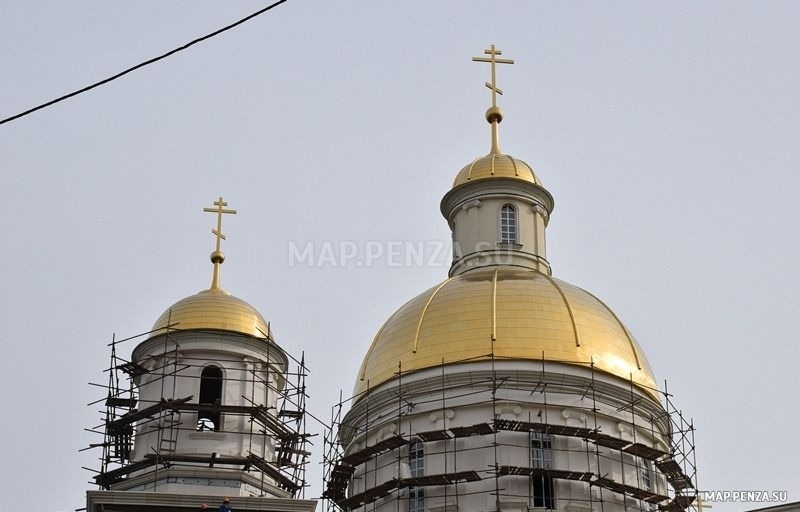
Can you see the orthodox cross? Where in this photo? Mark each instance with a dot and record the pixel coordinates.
(493, 60)
(220, 211)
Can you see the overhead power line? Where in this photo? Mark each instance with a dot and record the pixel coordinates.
(143, 64)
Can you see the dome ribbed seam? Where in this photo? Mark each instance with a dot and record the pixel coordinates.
(425, 310)
(622, 326)
(569, 309)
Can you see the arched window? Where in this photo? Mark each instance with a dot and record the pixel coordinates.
(542, 458)
(648, 483)
(647, 474)
(416, 463)
(210, 394)
(508, 224)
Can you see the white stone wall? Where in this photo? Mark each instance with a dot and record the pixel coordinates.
(253, 374)
(467, 400)
(473, 213)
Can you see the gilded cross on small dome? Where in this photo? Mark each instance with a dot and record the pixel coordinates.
(493, 60)
(495, 114)
(217, 257)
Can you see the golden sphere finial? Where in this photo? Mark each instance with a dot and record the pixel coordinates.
(217, 257)
(494, 114)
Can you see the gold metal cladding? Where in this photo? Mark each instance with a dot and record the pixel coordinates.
(528, 313)
(496, 166)
(571, 316)
(634, 346)
(213, 309)
(424, 310)
(217, 257)
(495, 150)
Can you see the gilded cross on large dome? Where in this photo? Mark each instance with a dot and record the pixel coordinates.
(495, 114)
(217, 257)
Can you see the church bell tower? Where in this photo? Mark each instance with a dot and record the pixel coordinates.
(213, 409)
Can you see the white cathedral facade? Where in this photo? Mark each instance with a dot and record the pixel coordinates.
(501, 388)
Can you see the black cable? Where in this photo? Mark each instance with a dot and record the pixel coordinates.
(145, 63)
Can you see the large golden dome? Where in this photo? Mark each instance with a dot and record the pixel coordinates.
(496, 166)
(530, 315)
(213, 309)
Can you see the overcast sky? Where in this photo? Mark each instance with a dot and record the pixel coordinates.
(667, 133)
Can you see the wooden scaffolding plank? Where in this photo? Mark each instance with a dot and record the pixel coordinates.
(609, 441)
(644, 451)
(559, 430)
(674, 474)
(369, 495)
(434, 435)
(362, 456)
(440, 479)
(563, 474)
(147, 412)
(283, 481)
(115, 475)
(629, 490)
(478, 429)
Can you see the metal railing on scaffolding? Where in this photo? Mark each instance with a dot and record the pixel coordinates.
(673, 463)
(123, 414)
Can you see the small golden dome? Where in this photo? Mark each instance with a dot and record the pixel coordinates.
(212, 309)
(530, 315)
(496, 166)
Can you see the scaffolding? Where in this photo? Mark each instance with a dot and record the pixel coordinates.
(675, 461)
(258, 424)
